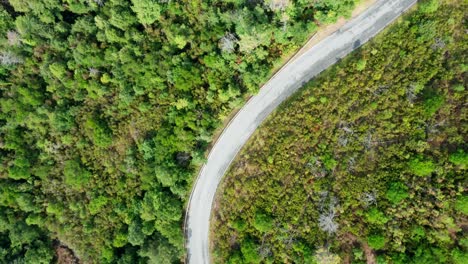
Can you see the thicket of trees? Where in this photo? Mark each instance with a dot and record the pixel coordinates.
(367, 163)
(107, 108)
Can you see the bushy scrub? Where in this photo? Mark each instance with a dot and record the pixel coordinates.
(375, 171)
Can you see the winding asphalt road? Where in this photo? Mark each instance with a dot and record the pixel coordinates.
(287, 81)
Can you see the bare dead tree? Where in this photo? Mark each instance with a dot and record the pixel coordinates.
(99, 2)
(316, 167)
(278, 5)
(381, 90)
(412, 91)
(7, 58)
(264, 250)
(438, 44)
(368, 141)
(346, 127)
(434, 128)
(343, 140)
(348, 130)
(410, 95)
(327, 222)
(323, 195)
(228, 43)
(93, 72)
(351, 164)
(14, 38)
(327, 208)
(345, 137)
(369, 198)
(285, 19)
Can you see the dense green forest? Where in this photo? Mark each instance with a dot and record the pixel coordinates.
(368, 163)
(108, 106)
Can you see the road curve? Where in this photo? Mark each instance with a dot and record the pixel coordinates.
(287, 81)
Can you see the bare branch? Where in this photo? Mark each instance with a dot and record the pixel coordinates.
(14, 38)
(93, 71)
(228, 43)
(277, 5)
(99, 2)
(369, 198)
(351, 163)
(412, 92)
(327, 223)
(7, 58)
(438, 44)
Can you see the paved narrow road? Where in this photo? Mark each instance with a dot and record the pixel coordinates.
(287, 81)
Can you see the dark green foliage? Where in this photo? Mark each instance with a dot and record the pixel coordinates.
(239, 225)
(376, 148)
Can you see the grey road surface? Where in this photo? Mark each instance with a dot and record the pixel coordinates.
(287, 81)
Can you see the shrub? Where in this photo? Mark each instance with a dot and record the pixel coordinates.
(429, 6)
(329, 162)
(361, 65)
(374, 216)
(324, 256)
(417, 233)
(263, 222)
(75, 176)
(458, 88)
(96, 204)
(459, 158)
(249, 252)
(376, 241)
(101, 134)
(421, 168)
(397, 192)
(459, 257)
(461, 204)
(432, 105)
(239, 225)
